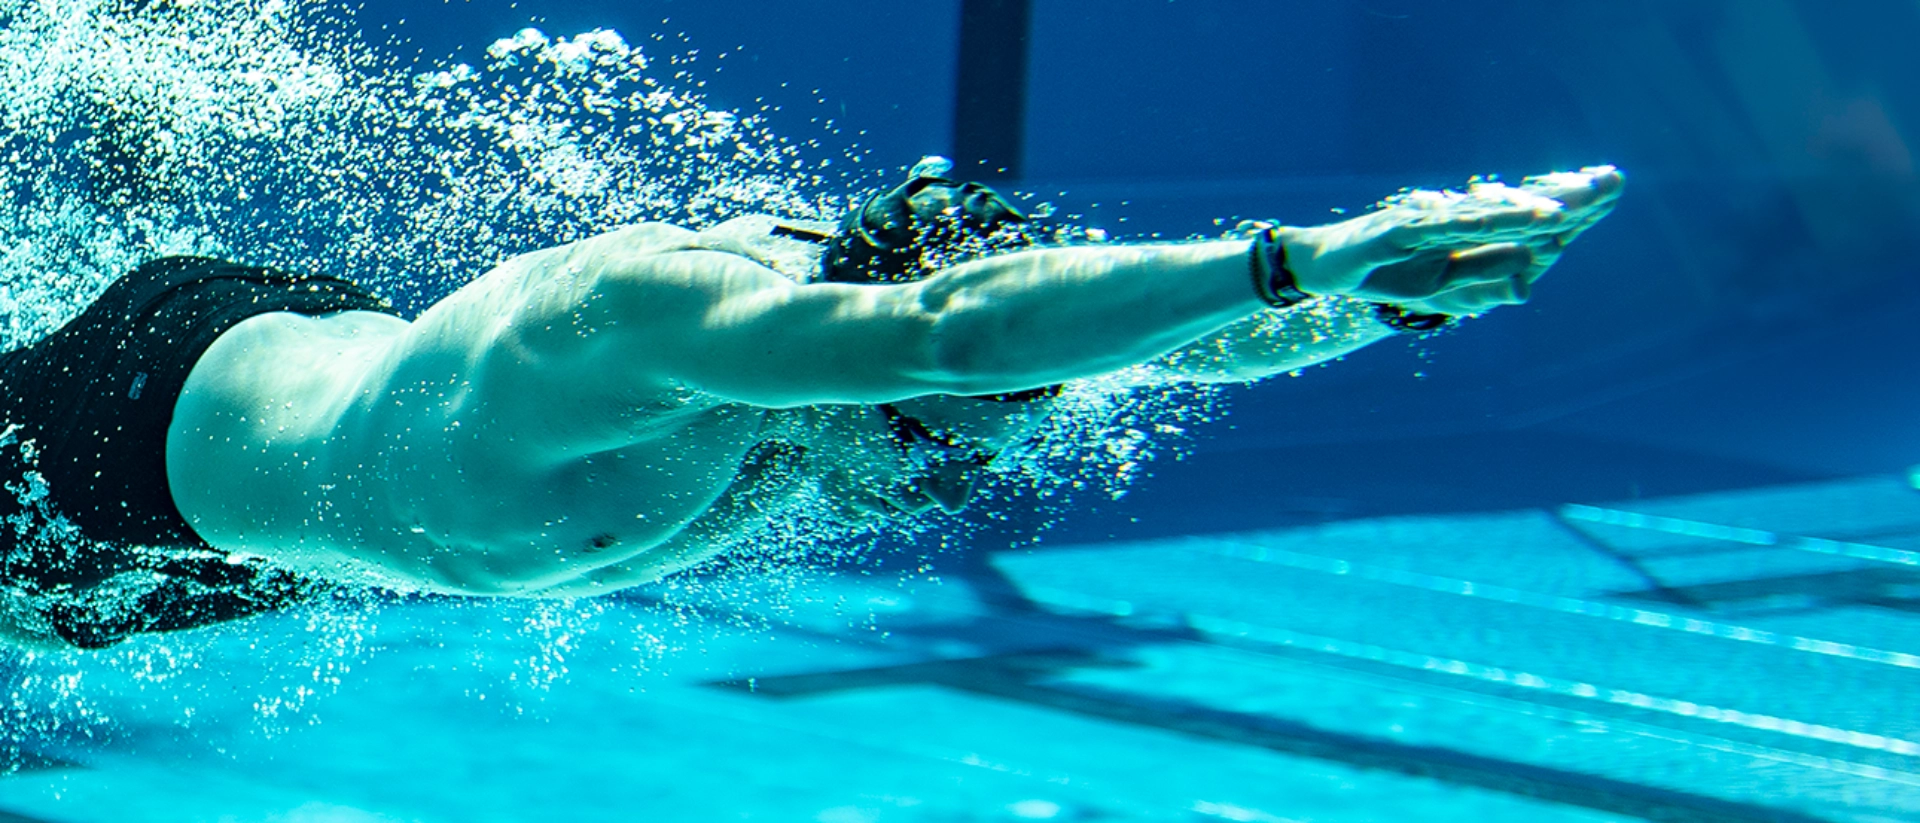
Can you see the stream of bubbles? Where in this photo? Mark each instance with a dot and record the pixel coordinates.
(275, 134)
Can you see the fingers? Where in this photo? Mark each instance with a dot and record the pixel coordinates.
(1490, 277)
(1482, 297)
(1562, 204)
(1487, 264)
(1589, 195)
(1474, 226)
(1579, 190)
(1583, 222)
(1436, 272)
(1426, 242)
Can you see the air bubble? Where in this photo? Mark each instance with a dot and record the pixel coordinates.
(276, 135)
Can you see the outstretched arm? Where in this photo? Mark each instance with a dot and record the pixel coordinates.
(598, 326)
(1269, 343)
(997, 324)
(729, 327)
(1279, 341)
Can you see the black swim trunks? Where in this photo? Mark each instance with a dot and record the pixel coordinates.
(90, 405)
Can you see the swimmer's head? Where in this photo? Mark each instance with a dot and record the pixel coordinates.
(901, 236)
(887, 238)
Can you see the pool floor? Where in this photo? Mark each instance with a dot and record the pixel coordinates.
(1743, 656)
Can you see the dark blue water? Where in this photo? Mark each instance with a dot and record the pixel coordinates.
(1736, 320)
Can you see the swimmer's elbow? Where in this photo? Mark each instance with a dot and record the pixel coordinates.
(944, 348)
(977, 353)
(956, 361)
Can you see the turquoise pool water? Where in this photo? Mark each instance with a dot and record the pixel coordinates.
(1713, 657)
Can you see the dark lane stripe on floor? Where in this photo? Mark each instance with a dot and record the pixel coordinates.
(1012, 677)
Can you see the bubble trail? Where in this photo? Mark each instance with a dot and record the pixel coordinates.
(269, 133)
(273, 133)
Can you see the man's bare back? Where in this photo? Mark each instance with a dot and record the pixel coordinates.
(594, 416)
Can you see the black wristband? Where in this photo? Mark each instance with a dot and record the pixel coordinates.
(1272, 280)
(1406, 322)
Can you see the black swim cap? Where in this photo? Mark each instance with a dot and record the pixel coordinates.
(886, 239)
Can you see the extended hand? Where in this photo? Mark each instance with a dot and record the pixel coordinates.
(1454, 253)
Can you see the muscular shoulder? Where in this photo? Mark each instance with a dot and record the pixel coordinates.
(790, 248)
(289, 360)
(625, 244)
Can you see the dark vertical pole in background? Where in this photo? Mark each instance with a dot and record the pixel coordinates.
(990, 98)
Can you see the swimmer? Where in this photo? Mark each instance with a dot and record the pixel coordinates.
(595, 416)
